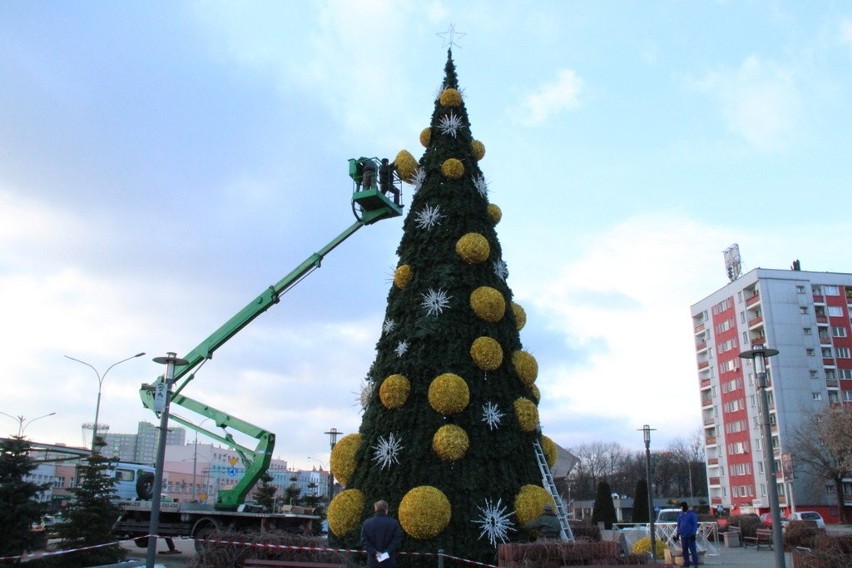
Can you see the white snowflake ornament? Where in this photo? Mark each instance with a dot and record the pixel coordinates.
(388, 325)
(491, 415)
(450, 124)
(501, 270)
(494, 521)
(418, 179)
(435, 301)
(428, 217)
(481, 185)
(401, 348)
(386, 451)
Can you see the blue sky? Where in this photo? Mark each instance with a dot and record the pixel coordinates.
(161, 163)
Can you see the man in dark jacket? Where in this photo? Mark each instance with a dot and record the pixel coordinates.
(381, 537)
(546, 524)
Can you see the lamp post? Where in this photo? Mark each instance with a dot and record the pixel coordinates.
(162, 398)
(21, 420)
(100, 386)
(758, 354)
(332, 434)
(646, 435)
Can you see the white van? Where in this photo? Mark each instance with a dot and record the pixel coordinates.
(668, 515)
(133, 481)
(808, 516)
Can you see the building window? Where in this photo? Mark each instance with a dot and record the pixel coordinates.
(829, 374)
(809, 351)
(816, 395)
(803, 310)
(813, 374)
(843, 353)
(845, 373)
(807, 331)
(826, 353)
(830, 290)
(835, 311)
(800, 289)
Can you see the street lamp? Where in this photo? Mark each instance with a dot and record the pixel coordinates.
(21, 426)
(758, 354)
(646, 435)
(333, 433)
(100, 386)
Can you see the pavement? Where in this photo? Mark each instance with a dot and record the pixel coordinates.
(183, 560)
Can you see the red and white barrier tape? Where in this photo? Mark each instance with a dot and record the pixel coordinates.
(263, 545)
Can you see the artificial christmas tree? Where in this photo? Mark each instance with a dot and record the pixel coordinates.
(450, 404)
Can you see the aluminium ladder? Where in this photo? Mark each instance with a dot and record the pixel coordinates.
(547, 479)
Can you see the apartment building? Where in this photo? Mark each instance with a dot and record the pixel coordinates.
(806, 317)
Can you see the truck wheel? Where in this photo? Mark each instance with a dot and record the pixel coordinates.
(200, 535)
(145, 485)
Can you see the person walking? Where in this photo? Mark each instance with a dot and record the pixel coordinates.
(381, 537)
(687, 527)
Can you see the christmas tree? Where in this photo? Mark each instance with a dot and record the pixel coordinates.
(450, 404)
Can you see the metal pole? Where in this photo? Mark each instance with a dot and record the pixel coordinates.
(333, 433)
(758, 354)
(23, 427)
(646, 432)
(170, 360)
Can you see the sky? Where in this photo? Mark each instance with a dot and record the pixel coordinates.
(163, 163)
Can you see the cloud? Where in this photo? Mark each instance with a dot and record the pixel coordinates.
(563, 93)
(760, 102)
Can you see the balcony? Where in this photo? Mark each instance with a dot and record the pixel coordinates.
(699, 328)
(753, 300)
(819, 299)
(701, 346)
(710, 440)
(832, 384)
(829, 362)
(825, 340)
(703, 364)
(706, 401)
(705, 384)
(712, 461)
(713, 481)
(755, 321)
(709, 421)
(822, 319)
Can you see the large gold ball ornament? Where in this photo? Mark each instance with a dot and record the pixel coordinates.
(486, 353)
(535, 392)
(448, 394)
(450, 98)
(520, 316)
(394, 391)
(343, 457)
(488, 303)
(406, 166)
(478, 149)
(530, 502)
(548, 446)
(526, 367)
(426, 137)
(473, 248)
(452, 168)
(526, 413)
(450, 442)
(495, 213)
(402, 276)
(424, 512)
(345, 511)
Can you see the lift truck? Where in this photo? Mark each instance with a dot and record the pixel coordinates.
(369, 205)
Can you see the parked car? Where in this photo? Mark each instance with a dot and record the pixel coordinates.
(808, 516)
(668, 515)
(766, 520)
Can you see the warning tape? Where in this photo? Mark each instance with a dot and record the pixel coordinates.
(262, 545)
(270, 546)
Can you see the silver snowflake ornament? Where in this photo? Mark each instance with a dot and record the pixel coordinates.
(418, 179)
(491, 415)
(388, 325)
(386, 451)
(435, 301)
(401, 348)
(450, 124)
(428, 217)
(494, 521)
(501, 269)
(481, 185)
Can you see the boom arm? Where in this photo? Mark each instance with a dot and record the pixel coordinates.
(372, 206)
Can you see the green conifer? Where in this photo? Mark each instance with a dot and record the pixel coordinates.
(450, 405)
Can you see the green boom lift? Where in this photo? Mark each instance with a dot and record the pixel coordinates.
(369, 205)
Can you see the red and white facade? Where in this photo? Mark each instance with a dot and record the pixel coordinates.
(806, 317)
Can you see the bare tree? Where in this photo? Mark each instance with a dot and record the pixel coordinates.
(822, 444)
